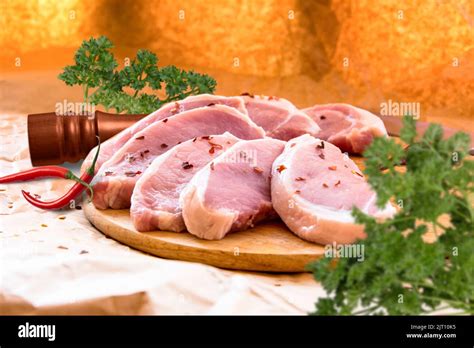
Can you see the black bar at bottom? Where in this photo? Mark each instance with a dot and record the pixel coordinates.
(419, 330)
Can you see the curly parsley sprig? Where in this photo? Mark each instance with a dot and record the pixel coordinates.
(96, 69)
(402, 273)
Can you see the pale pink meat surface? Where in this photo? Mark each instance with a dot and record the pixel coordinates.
(114, 183)
(350, 128)
(109, 147)
(314, 188)
(155, 199)
(279, 117)
(231, 193)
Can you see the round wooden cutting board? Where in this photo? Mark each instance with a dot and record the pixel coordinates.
(269, 247)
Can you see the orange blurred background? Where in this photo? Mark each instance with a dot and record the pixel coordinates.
(356, 51)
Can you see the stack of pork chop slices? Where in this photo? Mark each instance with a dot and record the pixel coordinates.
(212, 165)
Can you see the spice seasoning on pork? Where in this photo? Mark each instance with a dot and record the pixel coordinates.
(325, 185)
(281, 168)
(248, 95)
(163, 146)
(214, 146)
(300, 179)
(140, 137)
(332, 167)
(132, 174)
(258, 170)
(186, 165)
(175, 110)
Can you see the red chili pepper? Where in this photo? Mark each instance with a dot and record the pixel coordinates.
(82, 182)
(39, 172)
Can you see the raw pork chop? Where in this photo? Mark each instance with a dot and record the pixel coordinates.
(315, 186)
(155, 199)
(280, 118)
(231, 193)
(114, 183)
(109, 147)
(349, 128)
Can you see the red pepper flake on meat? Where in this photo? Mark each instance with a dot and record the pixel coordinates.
(281, 168)
(320, 146)
(258, 170)
(63, 247)
(108, 173)
(337, 183)
(214, 146)
(163, 146)
(332, 167)
(140, 137)
(194, 140)
(273, 98)
(212, 165)
(322, 117)
(175, 110)
(357, 173)
(186, 165)
(247, 94)
(146, 151)
(211, 104)
(321, 155)
(297, 192)
(300, 179)
(325, 185)
(132, 174)
(206, 137)
(165, 120)
(293, 145)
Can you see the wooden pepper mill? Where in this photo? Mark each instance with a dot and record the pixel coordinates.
(56, 139)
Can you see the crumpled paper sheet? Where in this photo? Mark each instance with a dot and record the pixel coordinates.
(50, 265)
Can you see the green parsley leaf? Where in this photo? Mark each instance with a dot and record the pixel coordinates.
(96, 68)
